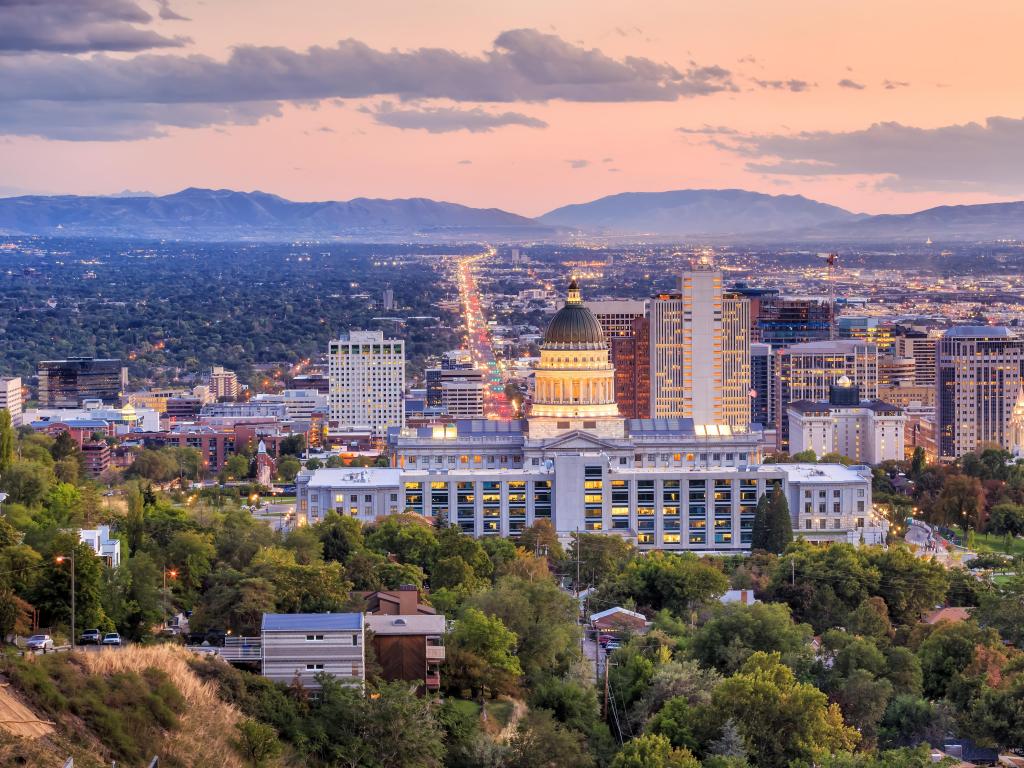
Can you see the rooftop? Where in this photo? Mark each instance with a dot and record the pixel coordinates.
(326, 622)
(419, 624)
(354, 476)
(978, 331)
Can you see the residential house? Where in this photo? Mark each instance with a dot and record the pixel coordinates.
(105, 547)
(299, 646)
(619, 618)
(409, 647)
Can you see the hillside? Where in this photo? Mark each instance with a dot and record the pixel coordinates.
(224, 214)
(696, 212)
(126, 705)
(993, 221)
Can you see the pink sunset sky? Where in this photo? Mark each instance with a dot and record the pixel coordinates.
(526, 105)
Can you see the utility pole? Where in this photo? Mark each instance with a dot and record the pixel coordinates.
(61, 559)
(792, 568)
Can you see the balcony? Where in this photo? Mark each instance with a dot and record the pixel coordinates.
(432, 681)
(435, 650)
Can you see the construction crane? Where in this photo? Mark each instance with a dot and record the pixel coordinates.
(831, 259)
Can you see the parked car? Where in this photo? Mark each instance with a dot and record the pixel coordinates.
(90, 637)
(111, 638)
(39, 643)
(611, 645)
(605, 639)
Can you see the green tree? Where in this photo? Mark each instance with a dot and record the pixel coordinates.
(735, 632)
(6, 441)
(661, 580)
(406, 537)
(542, 538)
(26, 482)
(481, 653)
(1002, 608)
(601, 557)
(653, 751)
(541, 742)
(911, 720)
(917, 462)
(256, 742)
(782, 720)
(1006, 519)
(779, 524)
(759, 535)
(236, 467)
(341, 536)
(961, 502)
(293, 445)
(287, 468)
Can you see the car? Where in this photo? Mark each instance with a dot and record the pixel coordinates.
(612, 645)
(605, 639)
(90, 637)
(39, 643)
(111, 638)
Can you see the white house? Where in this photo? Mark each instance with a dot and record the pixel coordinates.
(102, 545)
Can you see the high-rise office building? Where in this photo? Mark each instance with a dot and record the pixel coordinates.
(700, 351)
(978, 379)
(462, 393)
(66, 383)
(762, 384)
(783, 321)
(616, 316)
(921, 347)
(10, 398)
(627, 331)
(388, 300)
(367, 382)
(896, 371)
(870, 329)
(631, 356)
(808, 371)
(224, 384)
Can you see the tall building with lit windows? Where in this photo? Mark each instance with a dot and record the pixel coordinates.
(978, 377)
(10, 398)
(700, 351)
(367, 382)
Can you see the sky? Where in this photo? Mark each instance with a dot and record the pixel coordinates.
(874, 106)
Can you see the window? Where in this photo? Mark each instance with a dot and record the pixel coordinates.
(314, 638)
(314, 667)
(355, 639)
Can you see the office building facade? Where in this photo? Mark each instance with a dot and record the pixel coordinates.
(224, 384)
(700, 351)
(808, 371)
(978, 377)
(66, 383)
(762, 385)
(10, 399)
(367, 382)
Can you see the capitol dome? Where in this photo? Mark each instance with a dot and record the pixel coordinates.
(574, 326)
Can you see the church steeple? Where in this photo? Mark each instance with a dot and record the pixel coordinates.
(1015, 428)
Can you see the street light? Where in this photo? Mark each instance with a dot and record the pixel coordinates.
(173, 573)
(60, 559)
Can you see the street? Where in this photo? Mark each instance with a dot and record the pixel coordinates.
(478, 341)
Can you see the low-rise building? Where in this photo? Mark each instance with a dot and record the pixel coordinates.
(96, 455)
(99, 540)
(409, 647)
(296, 647)
(868, 431)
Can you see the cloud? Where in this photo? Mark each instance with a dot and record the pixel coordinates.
(985, 156)
(465, 162)
(848, 83)
(709, 130)
(608, 160)
(891, 85)
(523, 65)
(169, 14)
(796, 86)
(79, 26)
(448, 119)
(574, 164)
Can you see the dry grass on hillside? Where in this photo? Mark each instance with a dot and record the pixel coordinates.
(207, 724)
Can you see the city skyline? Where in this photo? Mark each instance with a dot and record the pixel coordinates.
(524, 109)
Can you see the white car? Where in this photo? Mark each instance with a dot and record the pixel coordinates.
(39, 643)
(111, 638)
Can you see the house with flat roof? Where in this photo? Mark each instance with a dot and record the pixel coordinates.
(409, 647)
(299, 646)
(99, 540)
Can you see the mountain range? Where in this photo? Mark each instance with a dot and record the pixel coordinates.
(222, 215)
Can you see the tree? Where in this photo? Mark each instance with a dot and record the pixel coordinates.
(871, 619)
(917, 462)
(542, 742)
(236, 467)
(26, 482)
(759, 535)
(1007, 519)
(288, 467)
(911, 720)
(682, 680)
(6, 441)
(293, 445)
(735, 632)
(542, 538)
(781, 720)
(601, 557)
(1002, 608)
(948, 655)
(342, 537)
(406, 537)
(677, 582)
(653, 751)
(481, 653)
(961, 502)
(256, 742)
(543, 618)
(779, 523)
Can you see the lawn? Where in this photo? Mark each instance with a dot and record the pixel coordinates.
(990, 542)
